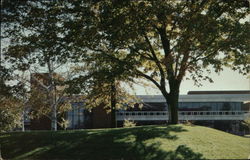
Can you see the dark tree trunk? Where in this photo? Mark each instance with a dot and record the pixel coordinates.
(113, 105)
(173, 99)
(166, 95)
(173, 106)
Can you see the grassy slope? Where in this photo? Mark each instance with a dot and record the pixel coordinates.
(149, 142)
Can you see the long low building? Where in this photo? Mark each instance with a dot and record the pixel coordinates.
(206, 106)
(202, 107)
(192, 107)
(217, 109)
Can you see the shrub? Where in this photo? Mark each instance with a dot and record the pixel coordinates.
(127, 123)
(188, 123)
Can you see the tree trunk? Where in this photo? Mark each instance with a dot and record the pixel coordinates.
(173, 99)
(23, 121)
(52, 96)
(54, 119)
(165, 94)
(53, 109)
(173, 105)
(113, 105)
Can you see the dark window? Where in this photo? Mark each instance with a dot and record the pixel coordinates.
(226, 106)
(204, 106)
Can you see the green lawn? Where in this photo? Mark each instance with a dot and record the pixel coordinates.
(148, 142)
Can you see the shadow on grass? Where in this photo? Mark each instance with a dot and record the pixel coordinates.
(127, 144)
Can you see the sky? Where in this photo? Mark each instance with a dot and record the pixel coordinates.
(226, 80)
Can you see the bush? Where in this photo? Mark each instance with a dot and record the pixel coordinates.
(127, 123)
(188, 123)
(64, 123)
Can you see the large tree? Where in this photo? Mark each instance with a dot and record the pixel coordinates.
(160, 41)
(165, 40)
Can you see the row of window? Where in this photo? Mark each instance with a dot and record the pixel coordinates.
(192, 106)
(211, 106)
(76, 116)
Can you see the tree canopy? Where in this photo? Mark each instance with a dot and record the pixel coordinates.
(164, 40)
(160, 41)
(34, 30)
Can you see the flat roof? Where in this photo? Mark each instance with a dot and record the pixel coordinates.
(200, 98)
(220, 92)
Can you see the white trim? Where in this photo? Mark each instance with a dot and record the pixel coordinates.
(183, 115)
(199, 98)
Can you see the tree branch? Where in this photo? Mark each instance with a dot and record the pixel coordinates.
(149, 78)
(142, 55)
(183, 67)
(163, 83)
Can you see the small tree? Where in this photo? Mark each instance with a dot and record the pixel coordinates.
(101, 84)
(39, 97)
(35, 34)
(102, 79)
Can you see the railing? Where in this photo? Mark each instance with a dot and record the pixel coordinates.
(183, 115)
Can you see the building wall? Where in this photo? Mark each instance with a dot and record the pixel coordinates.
(100, 118)
(42, 123)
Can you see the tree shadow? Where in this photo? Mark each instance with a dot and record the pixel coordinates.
(123, 144)
(139, 149)
(153, 152)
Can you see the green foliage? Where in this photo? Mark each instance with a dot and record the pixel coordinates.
(160, 41)
(5, 90)
(128, 123)
(40, 105)
(35, 32)
(34, 35)
(11, 104)
(10, 114)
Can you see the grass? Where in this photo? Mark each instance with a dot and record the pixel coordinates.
(148, 142)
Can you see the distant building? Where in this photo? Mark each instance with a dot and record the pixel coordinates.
(218, 109)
